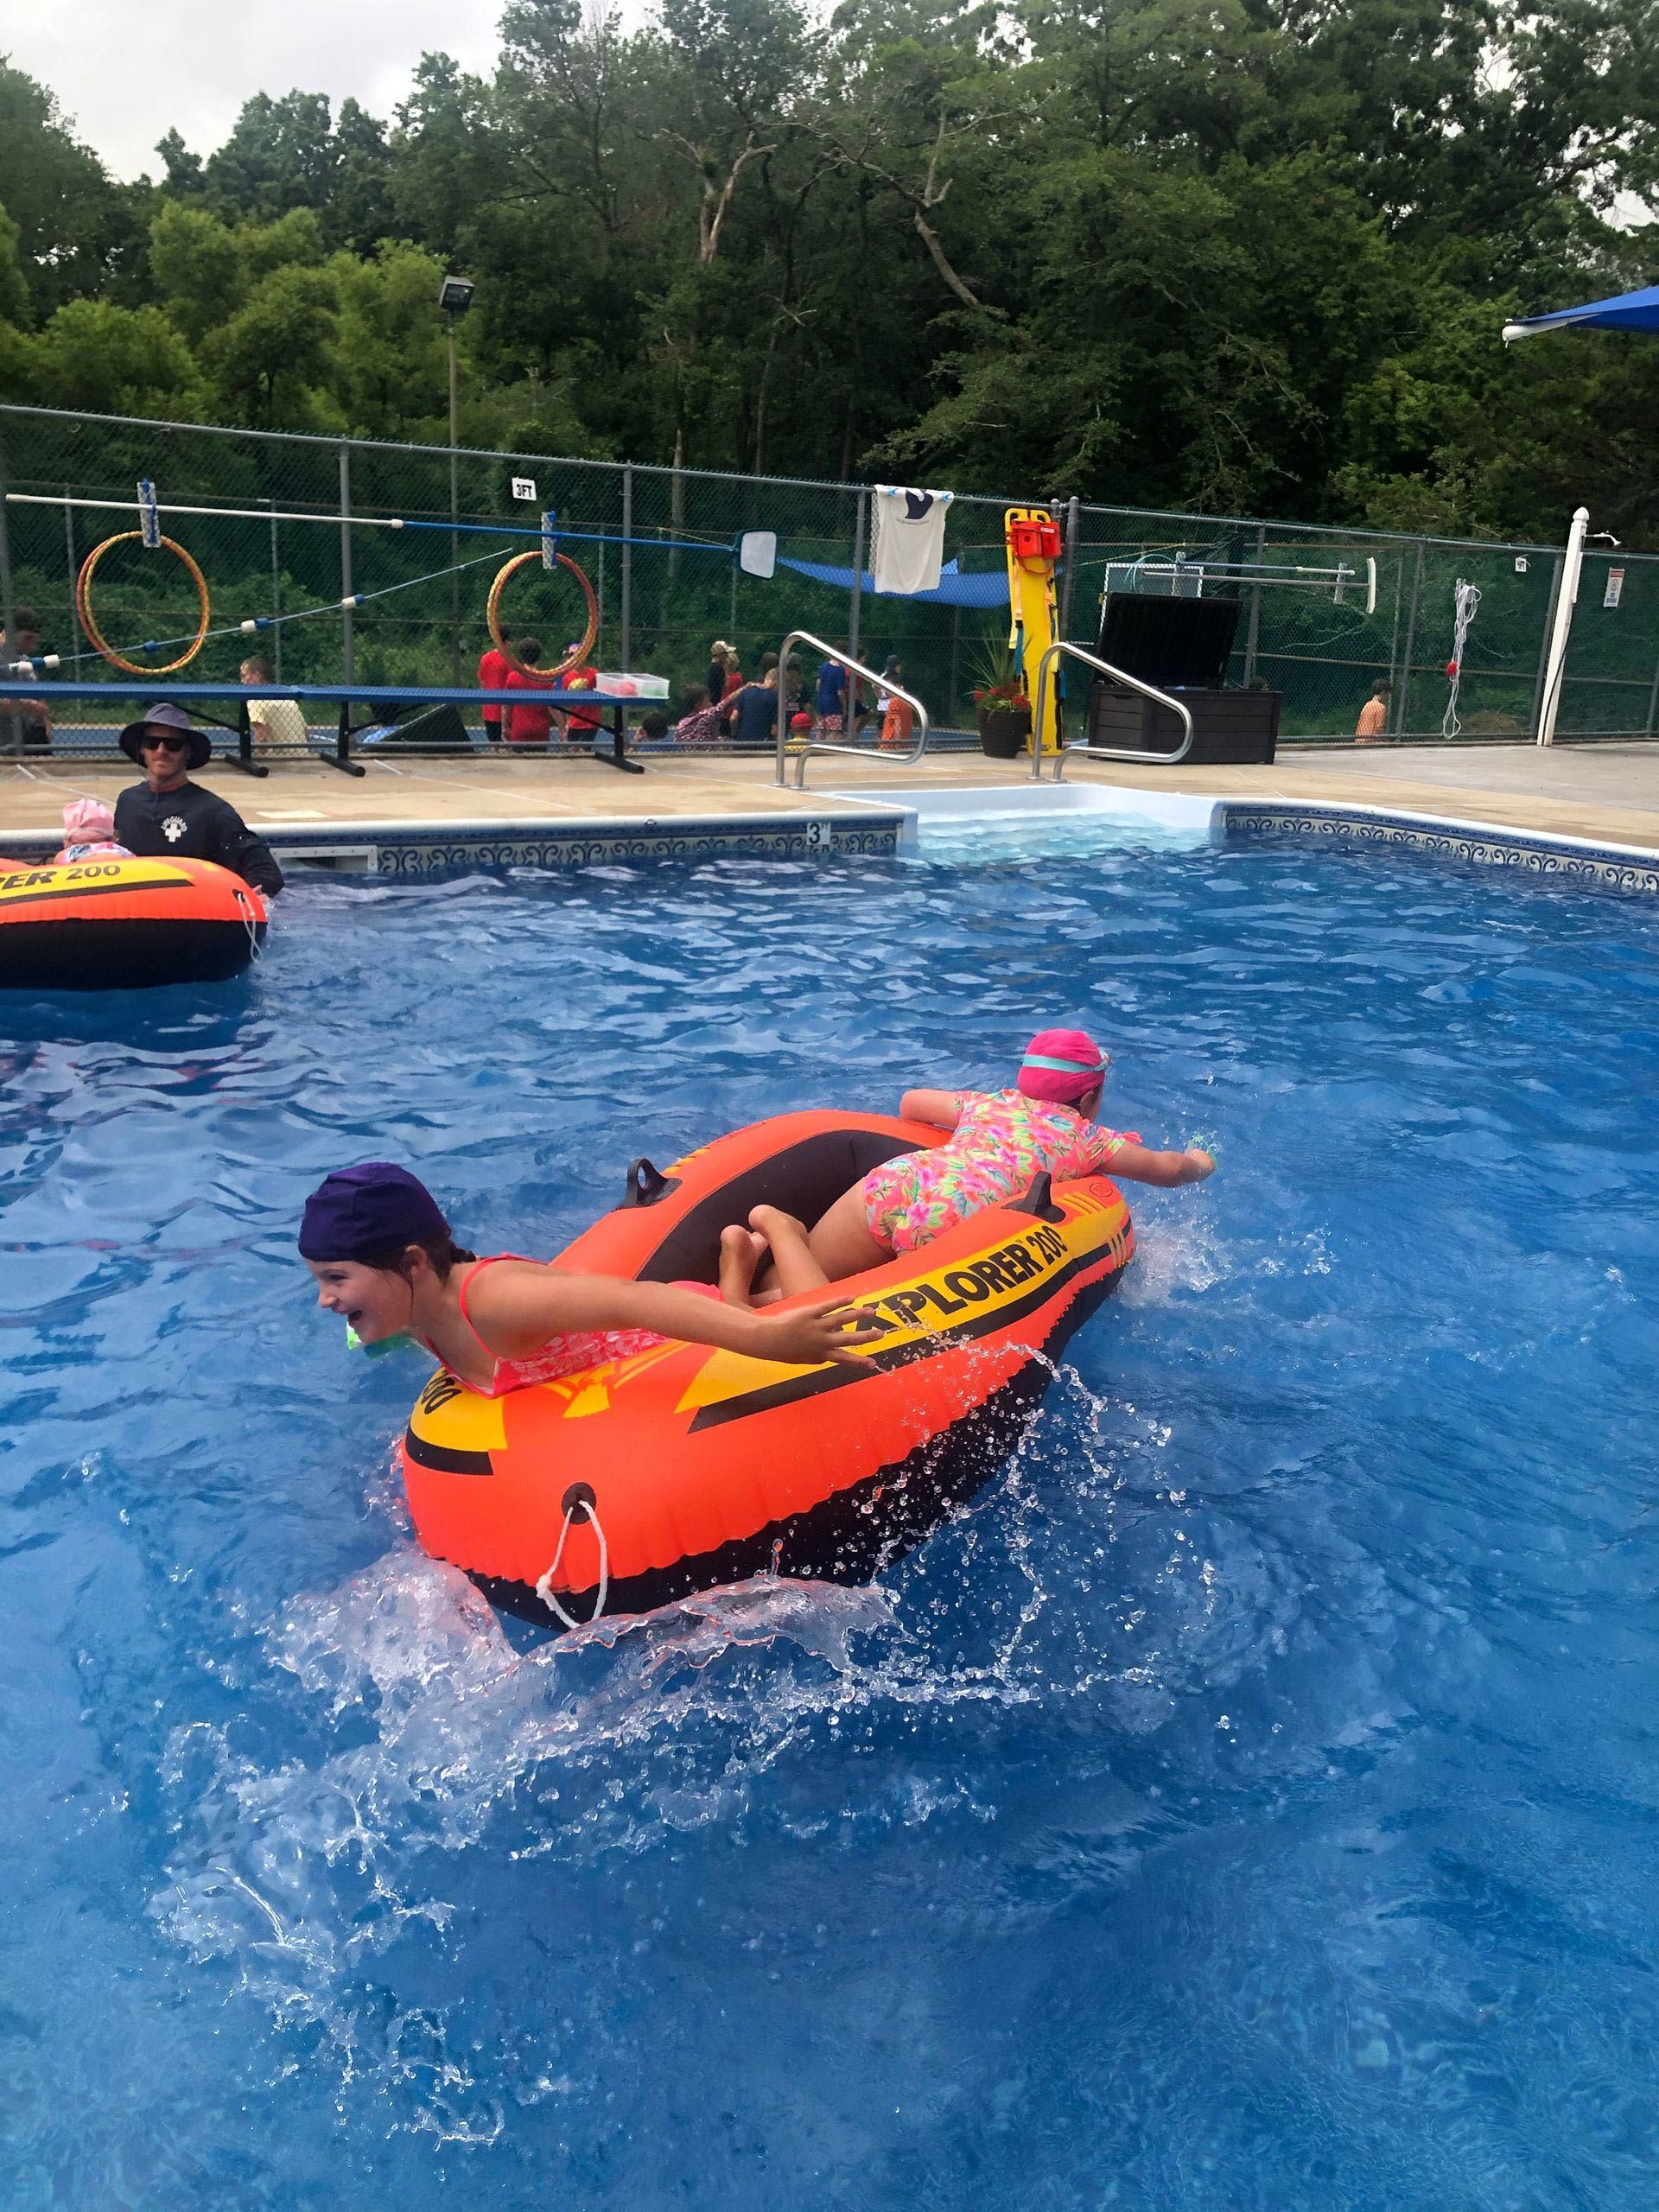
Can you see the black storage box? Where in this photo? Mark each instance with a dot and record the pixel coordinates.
(1172, 643)
(1232, 726)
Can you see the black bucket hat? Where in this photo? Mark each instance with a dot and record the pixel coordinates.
(166, 717)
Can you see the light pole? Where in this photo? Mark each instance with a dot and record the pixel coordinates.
(454, 297)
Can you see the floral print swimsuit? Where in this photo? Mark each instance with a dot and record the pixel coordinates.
(1002, 1141)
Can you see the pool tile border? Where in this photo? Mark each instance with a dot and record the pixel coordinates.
(404, 853)
(410, 850)
(1485, 844)
(405, 849)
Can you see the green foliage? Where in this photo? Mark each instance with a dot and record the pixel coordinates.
(1248, 255)
(117, 360)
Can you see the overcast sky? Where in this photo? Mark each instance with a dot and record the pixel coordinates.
(126, 71)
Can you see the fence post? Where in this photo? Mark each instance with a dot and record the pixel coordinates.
(857, 593)
(347, 634)
(276, 597)
(1653, 703)
(76, 634)
(1253, 634)
(1404, 696)
(956, 656)
(627, 615)
(14, 721)
(1073, 533)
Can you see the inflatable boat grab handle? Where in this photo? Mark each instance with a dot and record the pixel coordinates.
(646, 1183)
(1039, 1201)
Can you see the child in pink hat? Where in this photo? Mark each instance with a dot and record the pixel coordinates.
(89, 834)
(1001, 1141)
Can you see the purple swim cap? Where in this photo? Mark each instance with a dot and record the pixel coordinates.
(359, 1213)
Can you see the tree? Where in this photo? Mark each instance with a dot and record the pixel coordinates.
(74, 224)
(740, 63)
(116, 360)
(273, 360)
(1251, 254)
(448, 165)
(281, 155)
(390, 372)
(196, 265)
(17, 366)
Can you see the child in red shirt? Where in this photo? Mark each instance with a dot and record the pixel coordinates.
(493, 669)
(583, 722)
(529, 725)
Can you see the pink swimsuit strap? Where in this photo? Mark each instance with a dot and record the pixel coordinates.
(566, 1353)
(477, 1268)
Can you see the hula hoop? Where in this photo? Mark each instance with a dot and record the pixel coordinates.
(492, 617)
(84, 607)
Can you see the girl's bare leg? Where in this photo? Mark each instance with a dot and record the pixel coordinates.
(794, 1268)
(741, 1253)
(842, 1243)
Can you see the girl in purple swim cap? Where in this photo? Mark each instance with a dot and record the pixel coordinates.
(383, 1256)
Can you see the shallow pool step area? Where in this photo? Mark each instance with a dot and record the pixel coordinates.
(991, 817)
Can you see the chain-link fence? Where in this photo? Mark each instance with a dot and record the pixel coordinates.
(412, 537)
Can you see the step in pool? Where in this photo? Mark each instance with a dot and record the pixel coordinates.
(992, 816)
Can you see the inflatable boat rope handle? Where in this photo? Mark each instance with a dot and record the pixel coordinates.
(248, 924)
(577, 1495)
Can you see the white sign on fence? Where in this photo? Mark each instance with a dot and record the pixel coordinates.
(524, 487)
(1615, 589)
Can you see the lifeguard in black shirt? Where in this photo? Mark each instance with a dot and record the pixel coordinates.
(169, 816)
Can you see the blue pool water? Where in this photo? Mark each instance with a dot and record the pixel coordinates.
(1250, 1803)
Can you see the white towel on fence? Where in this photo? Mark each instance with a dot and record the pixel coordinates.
(909, 549)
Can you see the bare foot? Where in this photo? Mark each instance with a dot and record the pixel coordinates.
(741, 1253)
(769, 1220)
(794, 1268)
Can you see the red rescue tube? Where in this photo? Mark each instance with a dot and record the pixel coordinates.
(117, 924)
(686, 1467)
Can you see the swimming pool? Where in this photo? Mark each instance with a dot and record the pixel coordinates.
(1248, 1802)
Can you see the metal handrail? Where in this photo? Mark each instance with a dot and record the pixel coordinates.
(1103, 751)
(819, 745)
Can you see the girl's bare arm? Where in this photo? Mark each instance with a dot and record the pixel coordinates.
(939, 1107)
(517, 1316)
(1141, 1165)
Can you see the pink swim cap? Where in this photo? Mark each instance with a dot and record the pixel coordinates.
(86, 821)
(1062, 1065)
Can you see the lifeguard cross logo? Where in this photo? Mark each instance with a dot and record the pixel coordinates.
(173, 828)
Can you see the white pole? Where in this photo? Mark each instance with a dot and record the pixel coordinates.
(1565, 599)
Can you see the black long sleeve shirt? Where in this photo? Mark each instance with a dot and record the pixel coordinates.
(194, 824)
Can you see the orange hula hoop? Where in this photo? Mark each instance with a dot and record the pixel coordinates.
(492, 617)
(84, 607)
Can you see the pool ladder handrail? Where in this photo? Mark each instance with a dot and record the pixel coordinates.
(822, 745)
(1103, 751)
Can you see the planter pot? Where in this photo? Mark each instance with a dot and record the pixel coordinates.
(1003, 731)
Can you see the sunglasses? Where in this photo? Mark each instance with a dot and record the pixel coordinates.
(154, 741)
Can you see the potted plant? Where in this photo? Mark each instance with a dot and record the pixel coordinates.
(1002, 704)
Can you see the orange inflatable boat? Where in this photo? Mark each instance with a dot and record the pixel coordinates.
(634, 1483)
(114, 925)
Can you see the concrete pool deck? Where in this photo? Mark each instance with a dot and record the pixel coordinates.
(1607, 794)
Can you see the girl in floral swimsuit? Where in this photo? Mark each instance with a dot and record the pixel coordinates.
(382, 1256)
(1001, 1141)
